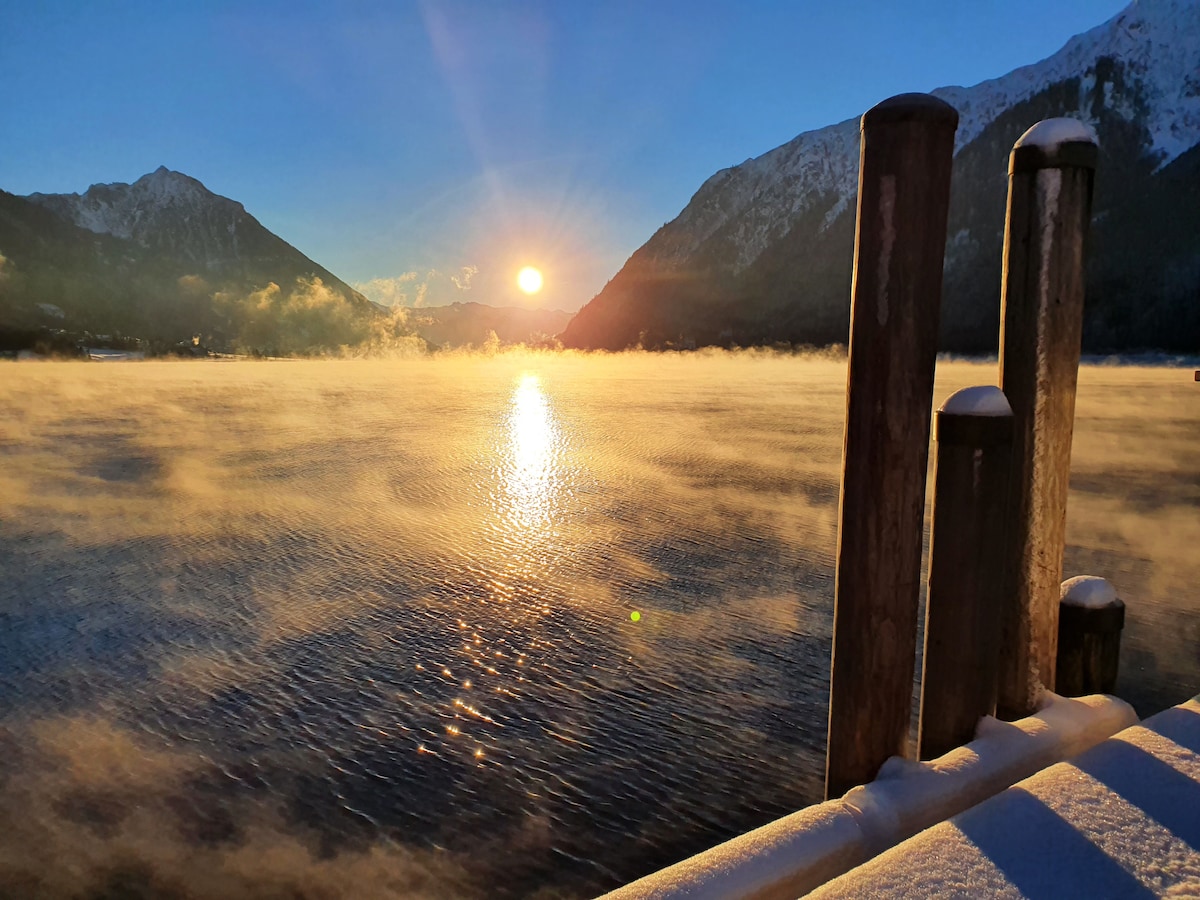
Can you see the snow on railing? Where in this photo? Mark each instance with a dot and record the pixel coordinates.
(794, 855)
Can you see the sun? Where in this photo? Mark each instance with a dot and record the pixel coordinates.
(529, 280)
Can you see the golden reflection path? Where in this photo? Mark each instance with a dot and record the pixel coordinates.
(518, 557)
(531, 477)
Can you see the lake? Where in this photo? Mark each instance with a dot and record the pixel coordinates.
(335, 629)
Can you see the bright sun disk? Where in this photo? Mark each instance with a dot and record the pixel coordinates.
(529, 280)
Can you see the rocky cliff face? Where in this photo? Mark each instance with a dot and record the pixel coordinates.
(763, 251)
(167, 210)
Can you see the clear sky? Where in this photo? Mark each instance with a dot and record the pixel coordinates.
(389, 141)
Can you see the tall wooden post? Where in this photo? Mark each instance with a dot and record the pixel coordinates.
(1049, 206)
(903, 200)
(973, 430)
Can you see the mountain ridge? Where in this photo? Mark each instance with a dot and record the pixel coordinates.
(173, 213)
(762, 252)
(165, 259)
(468, 323)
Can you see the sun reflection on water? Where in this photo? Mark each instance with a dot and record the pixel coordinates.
(534, 444)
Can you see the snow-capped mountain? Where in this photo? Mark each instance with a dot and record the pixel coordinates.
(763, 250)
(135, 211)
(165, 258)
(171, 213)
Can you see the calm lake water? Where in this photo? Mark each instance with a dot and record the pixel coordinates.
(365, 629)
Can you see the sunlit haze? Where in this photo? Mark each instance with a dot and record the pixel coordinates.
(446, 626)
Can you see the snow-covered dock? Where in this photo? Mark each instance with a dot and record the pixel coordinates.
(1002, 816)
(1120, 820)
(1073, 799)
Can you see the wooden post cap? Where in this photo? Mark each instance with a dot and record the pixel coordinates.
(1089, 590)
(910, 108)
(1091, 604)
(1055, 144)
(978, 416)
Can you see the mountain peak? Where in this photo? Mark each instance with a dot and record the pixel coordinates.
(163, 209)
(165, 184)
(162, 173)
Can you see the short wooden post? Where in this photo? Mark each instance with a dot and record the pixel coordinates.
(1049, 205)
(973, 429)
(1090, 619)
(903, 199)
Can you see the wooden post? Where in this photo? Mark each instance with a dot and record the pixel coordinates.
(903, 199)
(1049, 205)
(973, 429)
(1090, 619)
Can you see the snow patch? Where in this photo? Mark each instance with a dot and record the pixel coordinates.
(981, 400)
(796, 854)
(1090, 591)
(1117, 820)
(1052, 132)
(918, 795)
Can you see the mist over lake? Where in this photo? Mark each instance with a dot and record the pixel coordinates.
(366, 628)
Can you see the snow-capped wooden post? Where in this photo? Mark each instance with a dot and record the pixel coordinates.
(1050, 176)
(903, 199)
(1090, 619)
(973, 430)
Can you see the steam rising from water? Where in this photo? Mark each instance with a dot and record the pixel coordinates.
(324, 629)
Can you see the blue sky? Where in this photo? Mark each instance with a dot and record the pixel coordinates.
(389, 141)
